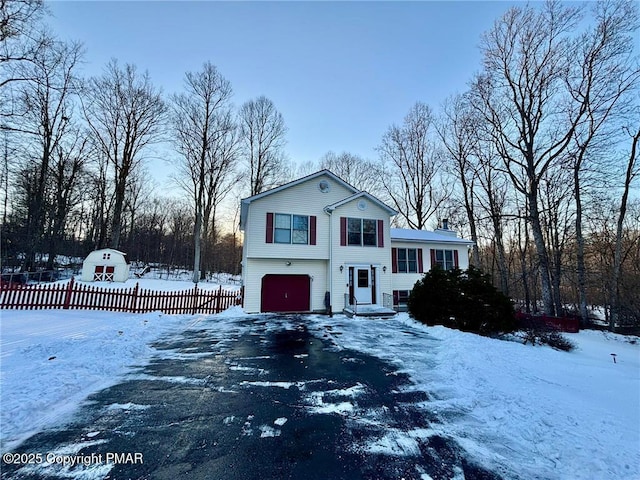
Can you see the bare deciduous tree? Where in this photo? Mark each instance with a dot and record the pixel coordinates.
(458, 134)
(17, 17)
(492, 195)
(21, 40)
(262, 131)
(66, 174)
(353, 169)
(631, 172)
(206, 140)
(603, 79)
(410, 167)
(522, 96)
(46, 100)
(126, 114)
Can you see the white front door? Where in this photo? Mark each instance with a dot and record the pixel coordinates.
(362, 285)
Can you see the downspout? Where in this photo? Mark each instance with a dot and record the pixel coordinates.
(330, 289)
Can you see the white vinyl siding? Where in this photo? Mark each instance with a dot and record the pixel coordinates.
(258, 268)
(345, 256)
(304, 199)
(406, 281)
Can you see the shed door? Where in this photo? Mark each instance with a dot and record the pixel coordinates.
(109, 270)
(98, 274)
(286, 293)
(104, 273)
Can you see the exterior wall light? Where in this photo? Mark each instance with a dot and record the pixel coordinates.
(384, 269)
(341, 268)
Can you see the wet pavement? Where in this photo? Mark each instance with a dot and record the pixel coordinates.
(266, 401)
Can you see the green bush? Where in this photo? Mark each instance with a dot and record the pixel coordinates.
(465, 300)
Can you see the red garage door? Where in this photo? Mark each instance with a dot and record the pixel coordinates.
(285, 293)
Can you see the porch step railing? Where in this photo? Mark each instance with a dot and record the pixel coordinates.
(353, 306)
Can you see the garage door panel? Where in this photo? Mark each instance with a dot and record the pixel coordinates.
(286, 293)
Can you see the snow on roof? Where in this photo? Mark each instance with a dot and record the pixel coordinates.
(408, 235)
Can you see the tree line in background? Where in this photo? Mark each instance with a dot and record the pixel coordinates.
(536, 162)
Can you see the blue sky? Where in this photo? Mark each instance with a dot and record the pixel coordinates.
(339, 72)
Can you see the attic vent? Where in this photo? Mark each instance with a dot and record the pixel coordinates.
(324, 186)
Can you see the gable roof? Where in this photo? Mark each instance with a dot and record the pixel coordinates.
(408, 235)
(293, 183)
(368, 196)
(245, 202)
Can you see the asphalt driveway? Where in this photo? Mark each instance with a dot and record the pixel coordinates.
(273, 401)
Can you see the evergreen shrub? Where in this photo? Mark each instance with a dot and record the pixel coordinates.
(464, 300)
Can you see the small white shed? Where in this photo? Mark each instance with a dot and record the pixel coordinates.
(106, 265)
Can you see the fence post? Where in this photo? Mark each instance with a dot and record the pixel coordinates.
(195, 299)
(133, 307)
(67, 296)
(218, 298)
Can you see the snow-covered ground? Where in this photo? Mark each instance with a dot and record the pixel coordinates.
(534, 412)
(528, 412)
(51, 360)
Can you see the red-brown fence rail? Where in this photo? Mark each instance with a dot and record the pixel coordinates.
(563, 324)
(74, 296)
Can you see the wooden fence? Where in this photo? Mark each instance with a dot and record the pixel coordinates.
(75, 296)
(569, 324)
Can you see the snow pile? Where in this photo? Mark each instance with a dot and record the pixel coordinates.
(530, 412)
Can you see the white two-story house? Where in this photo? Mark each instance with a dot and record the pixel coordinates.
(320, 244)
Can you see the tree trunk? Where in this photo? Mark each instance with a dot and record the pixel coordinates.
(580, 264)
(468, 205)
(541, 250)
(523, 263)
(120, 192)
(617, 258)
(197, 244)
(501, 255)
(116, 221)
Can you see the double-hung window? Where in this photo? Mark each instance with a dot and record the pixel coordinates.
(362, 231)
(444, 259)
(291, 229)
(407, 260)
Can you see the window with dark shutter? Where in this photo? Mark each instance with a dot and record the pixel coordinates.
(291, 229)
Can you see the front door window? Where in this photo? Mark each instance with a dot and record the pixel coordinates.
(363, 286)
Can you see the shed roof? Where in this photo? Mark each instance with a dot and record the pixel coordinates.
(108, 250)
